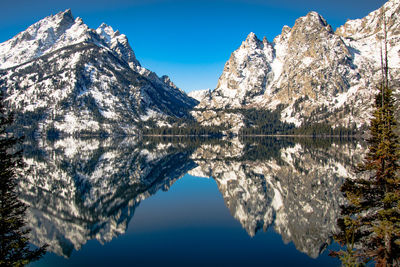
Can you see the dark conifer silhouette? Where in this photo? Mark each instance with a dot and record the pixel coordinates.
(15, 249)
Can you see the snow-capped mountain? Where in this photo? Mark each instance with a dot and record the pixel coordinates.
(318, 75)
(60, 75)
(295, 189)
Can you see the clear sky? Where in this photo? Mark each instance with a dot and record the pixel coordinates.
(188, 40)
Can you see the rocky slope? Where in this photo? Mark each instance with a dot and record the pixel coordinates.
(60, 75)
(296, 189)
(318, 75)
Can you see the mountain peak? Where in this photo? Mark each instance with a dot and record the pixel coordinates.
(311, 23)
(103, 26)
(62, 18)
(46, 35)
(252, 38)
(372, 25)
(108, 33)
(251, 41)
(105, 31)
(118, 43)
(315, 16)
(312, 19)
(67, 13)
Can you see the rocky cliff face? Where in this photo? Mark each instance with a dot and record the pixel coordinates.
(61, 75)
(296, 190)
(317, 74)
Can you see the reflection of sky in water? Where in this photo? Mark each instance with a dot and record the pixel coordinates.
(188, 226)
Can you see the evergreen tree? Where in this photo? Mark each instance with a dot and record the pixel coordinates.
(15, 249)
(370, 222)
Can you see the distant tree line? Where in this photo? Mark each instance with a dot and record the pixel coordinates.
(323, 129)
(266, 122)
(256, 122)
(189, 130)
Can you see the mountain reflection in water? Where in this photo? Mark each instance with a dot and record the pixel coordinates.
(83, 189)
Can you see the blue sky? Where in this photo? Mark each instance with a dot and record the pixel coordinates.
(188, 40)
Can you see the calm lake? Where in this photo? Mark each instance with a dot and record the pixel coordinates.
(175, 202)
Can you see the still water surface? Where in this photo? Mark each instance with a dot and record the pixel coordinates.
(270, 202)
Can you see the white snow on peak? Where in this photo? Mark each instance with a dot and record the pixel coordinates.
(58, 31)
(106, 32)
(371, 24)
(118, 43)
(199, 94)
(251, 37)
(315, 16)
(109, 35)
(251, 62)
(251, 42)
(43, 37)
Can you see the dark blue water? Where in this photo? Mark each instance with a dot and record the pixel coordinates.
(189, 225)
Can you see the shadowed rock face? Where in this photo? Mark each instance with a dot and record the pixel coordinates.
(89, 189)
